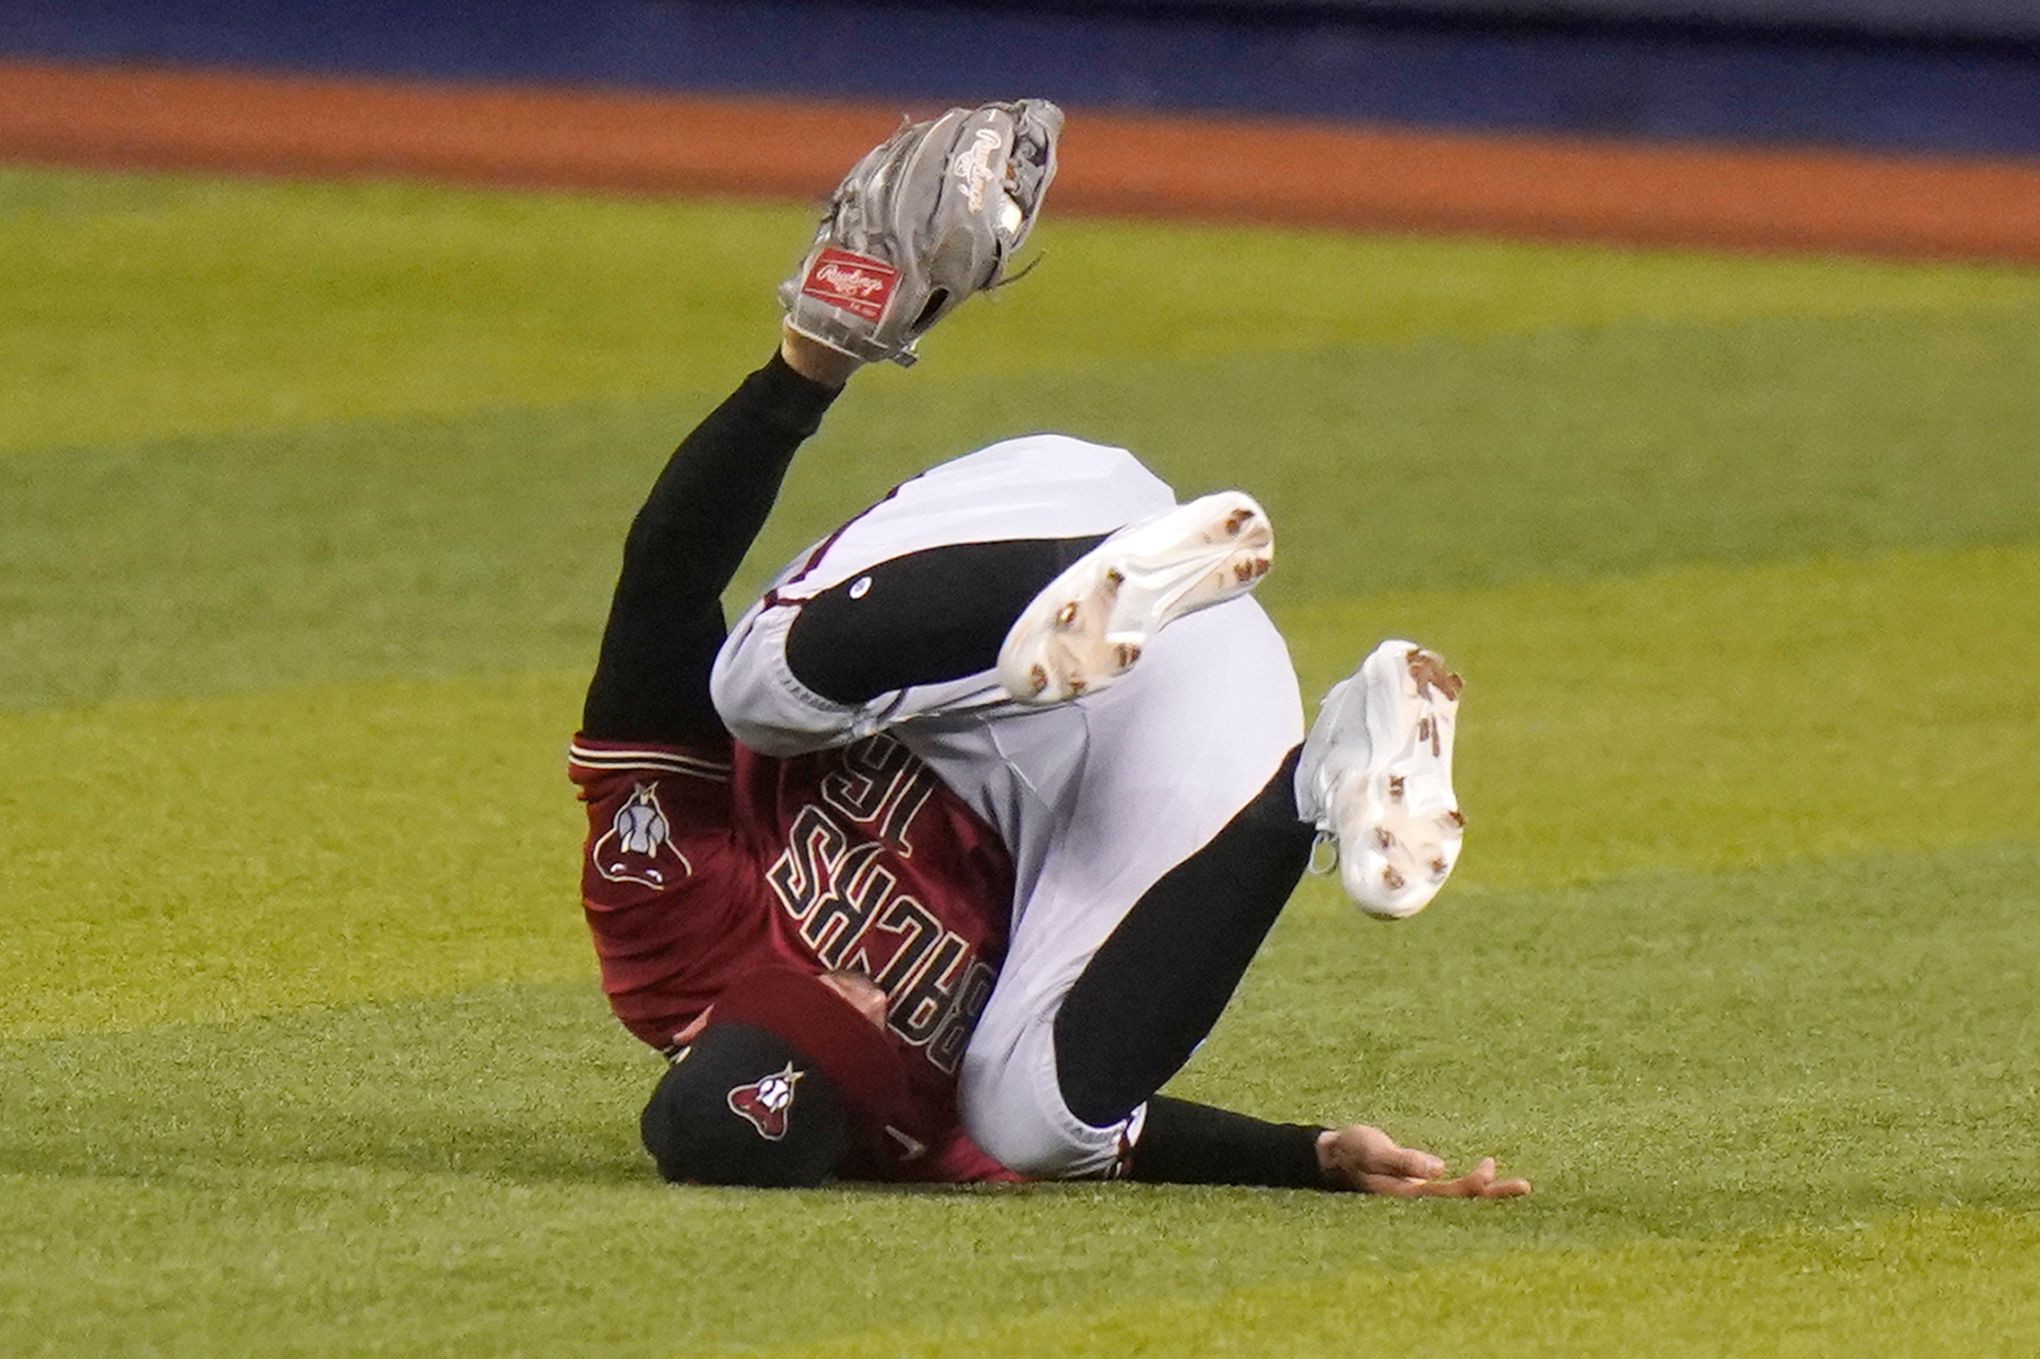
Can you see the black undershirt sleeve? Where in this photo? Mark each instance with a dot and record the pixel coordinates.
(1187, 1143)
(665, 619)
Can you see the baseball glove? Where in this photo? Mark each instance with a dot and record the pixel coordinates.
(929, 217)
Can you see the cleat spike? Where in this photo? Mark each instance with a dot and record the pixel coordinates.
(1455, 818)
(1383, 841)
(1395, 788)
(1393, 879)
(1120, 593)
(1439, 868)
(1427, 668)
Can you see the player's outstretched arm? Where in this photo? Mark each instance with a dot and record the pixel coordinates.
(703, 513)
(929, 218)
(1187, 1143)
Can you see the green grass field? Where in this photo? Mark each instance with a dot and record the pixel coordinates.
(310, 497)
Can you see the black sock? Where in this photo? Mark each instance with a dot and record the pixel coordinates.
(923, 618)
(1161, 979)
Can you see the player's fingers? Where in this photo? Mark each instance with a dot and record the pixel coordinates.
(1393, 1186)
(693, 1031)
(1478, 1183)
(1465, 1187)
(1471, 1185)
(1410, 1163)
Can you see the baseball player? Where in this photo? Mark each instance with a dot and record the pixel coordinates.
(944, 859)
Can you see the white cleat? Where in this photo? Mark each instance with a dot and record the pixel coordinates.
(1376, 778)
(1091, 623)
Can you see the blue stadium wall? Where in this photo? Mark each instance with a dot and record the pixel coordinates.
(1932, 76)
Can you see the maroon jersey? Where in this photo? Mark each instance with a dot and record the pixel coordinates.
(703, 864)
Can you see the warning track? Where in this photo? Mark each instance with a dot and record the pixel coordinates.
(1153, 166)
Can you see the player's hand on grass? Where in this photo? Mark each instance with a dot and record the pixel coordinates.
(1368, 1161)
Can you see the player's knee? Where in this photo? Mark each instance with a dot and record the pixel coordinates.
(1097, 481)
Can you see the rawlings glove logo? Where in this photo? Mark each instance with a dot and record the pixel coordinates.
(973, 166)
(856, 283)
(850, 282)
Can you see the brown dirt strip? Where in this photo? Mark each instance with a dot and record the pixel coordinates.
(1176, 166)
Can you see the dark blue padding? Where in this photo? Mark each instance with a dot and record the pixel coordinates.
(1682, 82)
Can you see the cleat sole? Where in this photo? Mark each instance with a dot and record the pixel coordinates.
(1089, 627)
(1393, 813)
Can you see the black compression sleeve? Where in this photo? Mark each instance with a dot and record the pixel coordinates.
(665, 620)
(929, 616)
(1186, 1143)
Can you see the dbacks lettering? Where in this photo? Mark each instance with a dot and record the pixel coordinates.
(880, 786)
(852, 913)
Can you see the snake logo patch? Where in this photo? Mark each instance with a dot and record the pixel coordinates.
(767, 1102)
(638, 846)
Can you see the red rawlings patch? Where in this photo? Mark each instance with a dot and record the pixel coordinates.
(856, 283)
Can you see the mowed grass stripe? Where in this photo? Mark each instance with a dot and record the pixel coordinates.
(205, 306)
(232, 855)
(208, 859)
(1709, 716)
(1538, 1024)
(1934, 1283)
(1930, 1284)
(1788, 1086)
(1777, 1040)
(489, 543)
